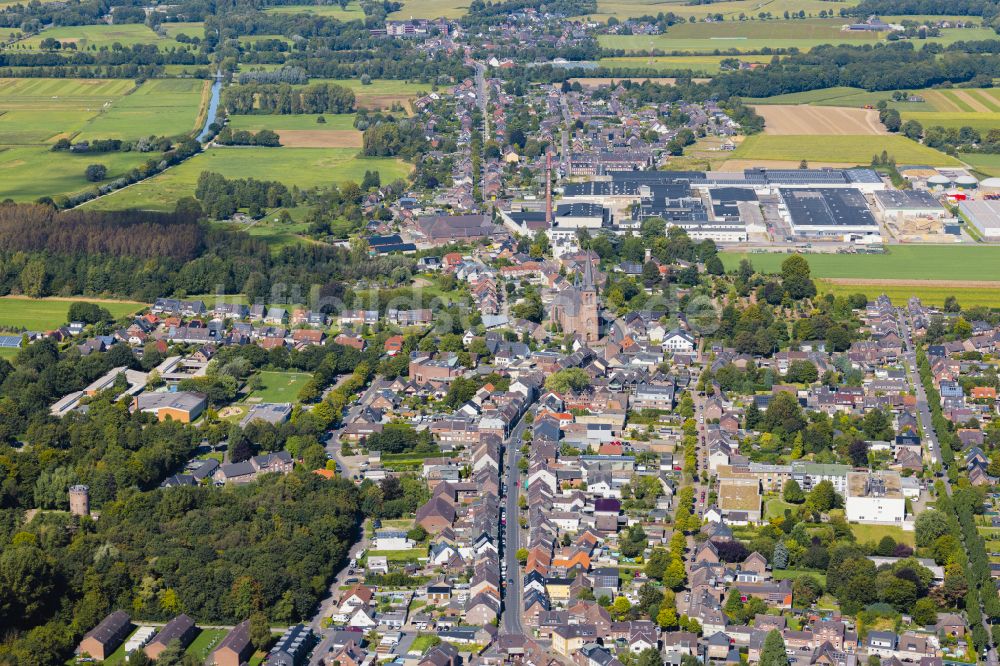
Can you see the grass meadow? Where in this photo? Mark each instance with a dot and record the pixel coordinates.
(305, 167)
(429, 9)
(699, 64)
(166, 107)
(352, 12)
(742, 36)
(48, 313)
(95, 37)
(854, 149)
(623, 9)
(901, 262)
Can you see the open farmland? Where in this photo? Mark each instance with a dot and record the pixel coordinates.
(36, 110)
(853, 149)
(48, 313)
(699, 64)
(192, 29)
(741, 36)
(302, 130)
(430, 9)
(168, 107)
(826, 120)
(901, 262)
(931, 293)
(623, 9)
(381, 93)
(352, 12)
(86, 37)
(305, 167)
(30, 172)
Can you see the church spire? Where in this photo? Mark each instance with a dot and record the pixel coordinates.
(588, 274)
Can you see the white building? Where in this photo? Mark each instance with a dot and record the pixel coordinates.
(678, 341)
(875, 497)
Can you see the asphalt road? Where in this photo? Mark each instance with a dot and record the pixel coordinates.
(511, 612)
(923, 409)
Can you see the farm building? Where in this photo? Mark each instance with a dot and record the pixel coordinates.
(897, 204)
(827, 212)
(984, 215)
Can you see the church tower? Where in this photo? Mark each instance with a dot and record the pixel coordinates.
(588, 304)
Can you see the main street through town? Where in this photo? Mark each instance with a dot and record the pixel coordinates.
(511, 612)
(927, 425)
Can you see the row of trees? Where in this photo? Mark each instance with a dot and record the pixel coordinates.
(283, 98)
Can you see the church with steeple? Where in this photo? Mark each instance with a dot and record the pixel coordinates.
(576, 308)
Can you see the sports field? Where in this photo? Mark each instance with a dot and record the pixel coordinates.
(901, 262)
(780, 119)
(305, 167)
(854, 149)
(94, 37)
(49, 313)
(699, 64)
(352, 12)
(741, 36)
(279, 386)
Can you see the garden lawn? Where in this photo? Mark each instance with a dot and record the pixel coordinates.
(875, 533)
(422, 642)
(776, 508)
(207, 641)
(279, 387)
(792, 574)
(857, 149)
(411, 555)
(48, 313)
(905, 262)
(305, 167)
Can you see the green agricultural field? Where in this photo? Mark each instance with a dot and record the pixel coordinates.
(87, 37)
(983, 122)
(193, 29)
(901, 262)
(430, 9)
(305, 167)
(623, 9)
(380, 86)
(48, 313)
(303, 121)
(352, 12)
(279, 387)
(875, 533)
(36, 110)
(856, 149)
(704, 64)
(842, 96)
(30, 172)
(167, 107)
(930, 295)
(986, 164)
(741, 36)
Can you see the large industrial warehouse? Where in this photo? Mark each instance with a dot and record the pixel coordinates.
(828, 211)
(984, 215)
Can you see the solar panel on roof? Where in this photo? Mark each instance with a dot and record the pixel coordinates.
(10, 341)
